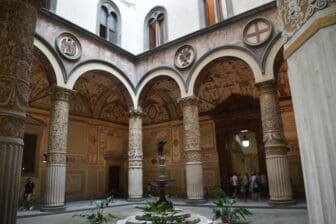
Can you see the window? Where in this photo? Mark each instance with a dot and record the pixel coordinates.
(29, 149)
(49, 4)
(155, 25)
(212, 11)
(109, 24)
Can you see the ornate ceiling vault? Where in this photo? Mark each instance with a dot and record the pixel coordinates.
(41, 79)
(100, 95)
(221, 79)
(159, 101)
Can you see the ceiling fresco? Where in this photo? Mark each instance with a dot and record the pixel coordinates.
(159, 101)
(42, 77)
(100, 95)
(221, 79)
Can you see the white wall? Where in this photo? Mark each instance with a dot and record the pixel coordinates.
(240, 6)
(184, 16)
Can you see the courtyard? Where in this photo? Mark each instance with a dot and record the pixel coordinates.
(262, 212)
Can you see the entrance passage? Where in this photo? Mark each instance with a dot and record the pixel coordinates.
(238, 121)
(243, 150)
(114, 180)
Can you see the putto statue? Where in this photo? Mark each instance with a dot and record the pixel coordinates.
(160, 147)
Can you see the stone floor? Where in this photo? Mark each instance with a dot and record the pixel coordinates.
(262, 213)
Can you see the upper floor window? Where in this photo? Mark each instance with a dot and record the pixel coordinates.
(109, 22)
(155, 24)
(213, 12)
(49, 4)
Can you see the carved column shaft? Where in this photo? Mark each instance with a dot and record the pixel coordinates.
(57, 146)
(17, 25)
(275, 147)
(192, 148)
(135, 156)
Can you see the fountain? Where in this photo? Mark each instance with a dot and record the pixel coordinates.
(171, 213)
(162, 182)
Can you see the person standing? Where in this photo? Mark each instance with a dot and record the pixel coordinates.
(235, 185)
(27, 195)
(263, 185)
(255, 186)
(246, 186)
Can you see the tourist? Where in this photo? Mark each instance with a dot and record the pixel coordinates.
(255, 186)
(246, 186)
(27, 194)
(235, 185)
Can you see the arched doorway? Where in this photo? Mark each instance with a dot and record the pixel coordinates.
(228, 95)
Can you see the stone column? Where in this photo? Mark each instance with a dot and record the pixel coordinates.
(17, 26)
(309, 35)
(192, 149)
(275, 146)
(57, 146)
(135, 156)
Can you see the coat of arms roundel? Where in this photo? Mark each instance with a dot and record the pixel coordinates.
(69, 46)
(185, 57)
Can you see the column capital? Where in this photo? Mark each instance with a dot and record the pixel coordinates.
(188, 101)
(135, 112)
(266, 87)
(60, 93)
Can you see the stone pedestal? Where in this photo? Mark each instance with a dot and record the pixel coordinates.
(135, 156)
(311, 56)
(192, 149)
(275, 147)
(58, 135)
(17, 26)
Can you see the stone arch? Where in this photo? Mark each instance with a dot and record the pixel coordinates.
(156, 73)
(270, 58)
(228, 51)
(79, 70)
(55, 62)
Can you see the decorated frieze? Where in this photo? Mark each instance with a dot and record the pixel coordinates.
(295, 13)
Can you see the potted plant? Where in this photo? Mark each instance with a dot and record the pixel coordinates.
(224, 209)
(97, 215)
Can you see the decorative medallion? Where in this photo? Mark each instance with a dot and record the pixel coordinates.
(294, 14)
(69, 46)
(257, 32)
(185, 57)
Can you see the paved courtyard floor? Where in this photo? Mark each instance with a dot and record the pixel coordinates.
(262, 213)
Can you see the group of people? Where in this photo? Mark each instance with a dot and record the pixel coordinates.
(252, 186)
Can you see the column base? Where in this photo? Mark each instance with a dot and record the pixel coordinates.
(53, 208)
(196, 201)
(281, 203)
(135, 199)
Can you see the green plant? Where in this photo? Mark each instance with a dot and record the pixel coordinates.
(225, 210)
(97, 214)
(159, 213)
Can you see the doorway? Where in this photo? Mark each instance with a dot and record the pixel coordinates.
(114, 181)
(236, 120)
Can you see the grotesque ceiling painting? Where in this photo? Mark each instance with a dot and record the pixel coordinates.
(42, 77)
(221, 79)
(282, 82)
(159, 101)
(100, 95)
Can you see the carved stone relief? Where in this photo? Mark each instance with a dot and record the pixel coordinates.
(185, 57)
(69, 46)
(295, 13)
(257, 32)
